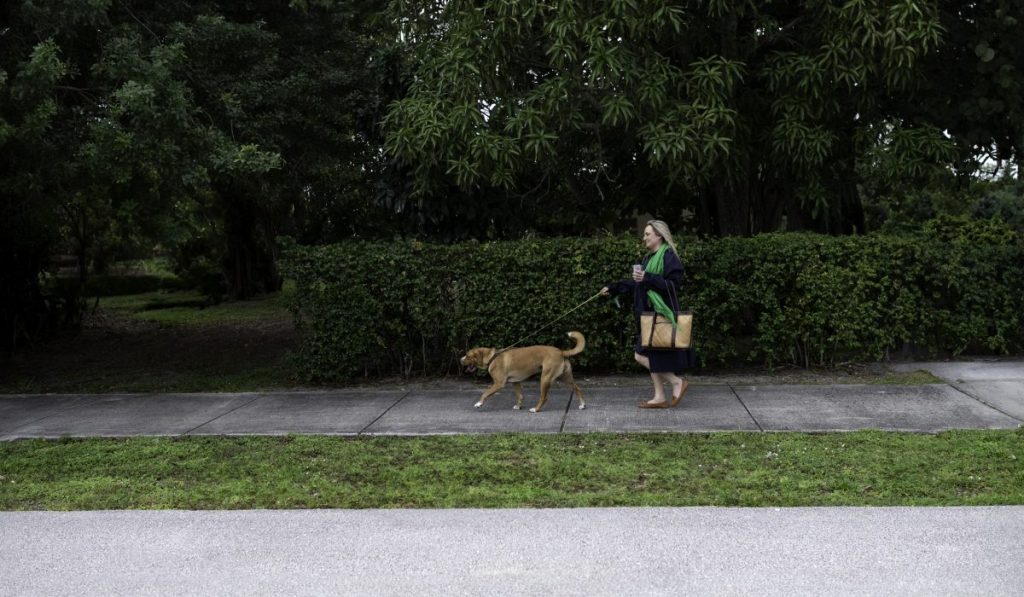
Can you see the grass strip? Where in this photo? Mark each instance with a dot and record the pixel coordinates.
(182, 308)
(516, 470)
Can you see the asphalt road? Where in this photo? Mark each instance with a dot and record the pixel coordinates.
(624, 551)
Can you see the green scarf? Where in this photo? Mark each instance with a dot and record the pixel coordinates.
(656, 265)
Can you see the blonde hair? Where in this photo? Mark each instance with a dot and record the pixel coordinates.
(661, 229)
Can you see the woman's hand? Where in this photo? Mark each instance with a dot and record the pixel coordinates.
(605, 291)
(638, 275)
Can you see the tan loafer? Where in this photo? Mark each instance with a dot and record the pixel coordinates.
(676, 399)
(654, 405)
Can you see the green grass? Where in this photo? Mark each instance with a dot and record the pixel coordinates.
(186, 308)
(520, 470)
(153, 266)
(905, 378)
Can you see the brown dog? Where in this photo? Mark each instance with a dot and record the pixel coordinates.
(519, 364)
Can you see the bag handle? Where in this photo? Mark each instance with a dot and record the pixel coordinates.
(675, 299)
(675, 311)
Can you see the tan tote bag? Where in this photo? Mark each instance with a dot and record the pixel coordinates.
(657, 333)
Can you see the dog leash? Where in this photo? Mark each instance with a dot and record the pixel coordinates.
(541, 329)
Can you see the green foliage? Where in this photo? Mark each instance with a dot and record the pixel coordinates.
(973, 84)
(807, 299)
(210, 128)
(993, 204)
(659, 106)
(204, 128)
(409, 307)
(1004, 200)
(374, 308)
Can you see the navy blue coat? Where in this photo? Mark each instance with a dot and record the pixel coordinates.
(662, 361)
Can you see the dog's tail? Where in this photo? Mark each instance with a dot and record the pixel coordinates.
(581, 343)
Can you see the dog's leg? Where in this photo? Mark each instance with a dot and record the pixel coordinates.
(518, 387)
(567, 379)
(494, 389)
(545, 384)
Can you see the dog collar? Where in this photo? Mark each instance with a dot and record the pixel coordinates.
(487, 366)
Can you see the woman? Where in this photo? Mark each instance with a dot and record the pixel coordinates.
(660, 268)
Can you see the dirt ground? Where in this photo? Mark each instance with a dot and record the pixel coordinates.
(111, 350)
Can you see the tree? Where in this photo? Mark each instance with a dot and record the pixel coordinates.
(974, 85)
(746, 113)
(296, 87)
(210, 126)
(30, 173)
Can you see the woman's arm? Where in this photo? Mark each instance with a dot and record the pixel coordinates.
(622, 287)
(673, 274)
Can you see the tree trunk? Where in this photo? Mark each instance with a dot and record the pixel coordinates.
(745, 205)
(250, 266)
(732, 206)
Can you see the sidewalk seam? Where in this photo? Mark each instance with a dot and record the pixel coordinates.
(744, 405)
(976, 399)
(258, 396)
(386, 411)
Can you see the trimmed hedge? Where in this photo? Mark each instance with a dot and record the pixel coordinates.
(373, 308)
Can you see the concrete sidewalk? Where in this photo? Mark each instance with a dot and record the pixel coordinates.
(975, 397)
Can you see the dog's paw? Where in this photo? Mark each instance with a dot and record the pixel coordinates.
(478, 404)
(582, 406)
(533, 410)
(516, 407)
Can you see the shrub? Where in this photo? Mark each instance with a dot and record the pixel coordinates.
(1003, 200)
(375, 308)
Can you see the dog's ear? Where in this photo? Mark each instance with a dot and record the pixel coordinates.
(479, 355)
